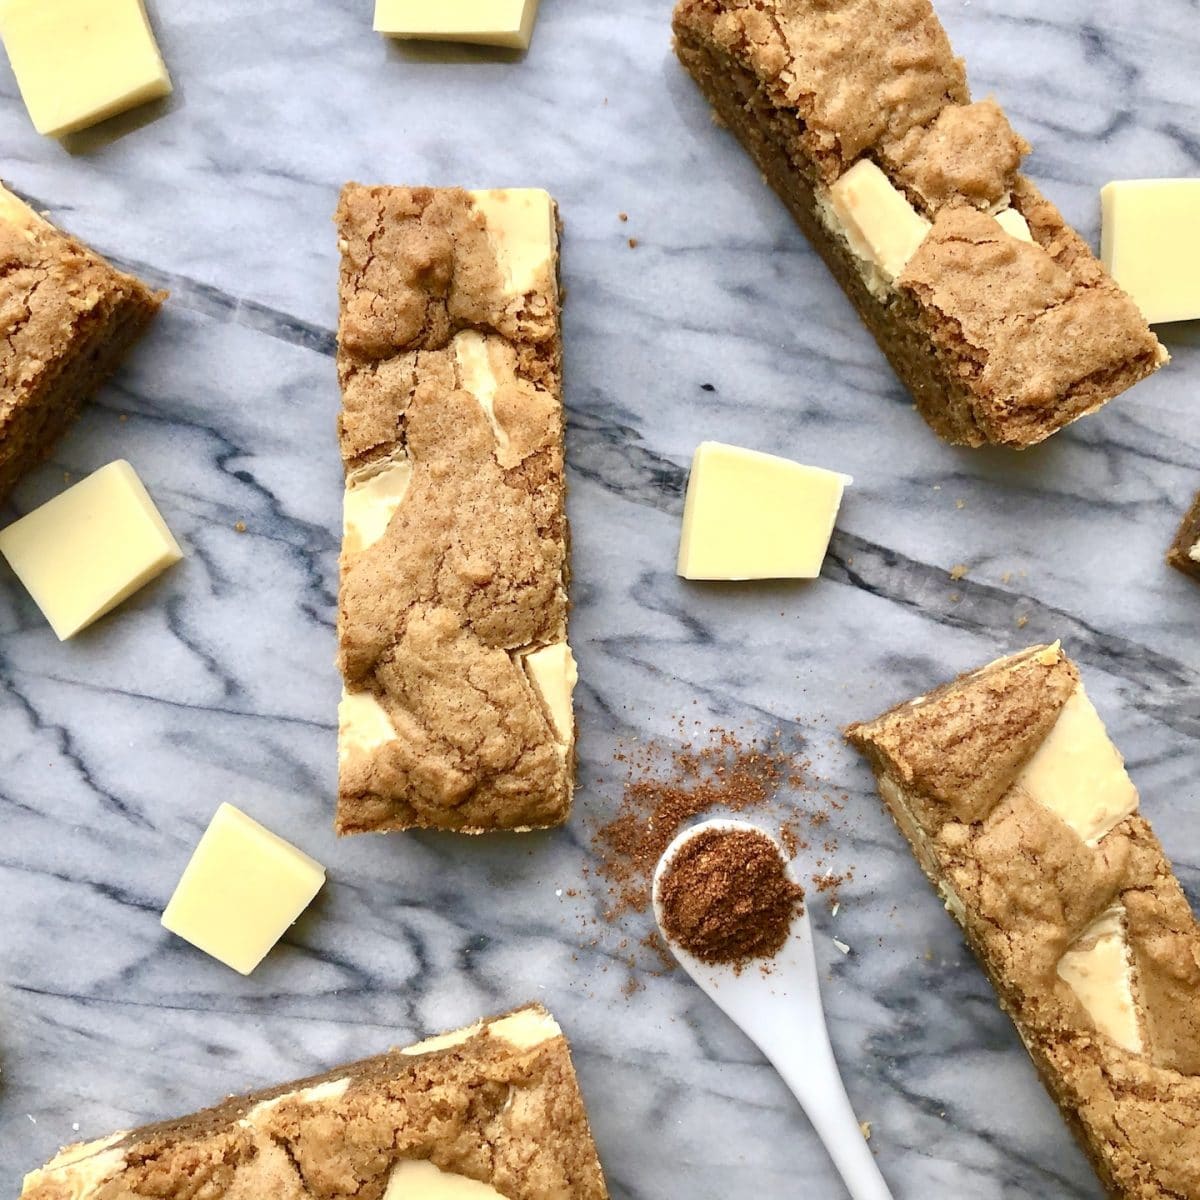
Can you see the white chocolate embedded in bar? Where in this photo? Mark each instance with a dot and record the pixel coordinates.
(1014, 224)
(371, 500)
(414, 1179)
(523, 228)
(877, 219)
(1099, 970)
(553, 672)
(1079, 774)
(363, 725)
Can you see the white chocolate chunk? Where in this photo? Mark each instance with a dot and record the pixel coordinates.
(363, 724)
(1150, 246)
(90, 548)
(877, 219)
(749, 515)
(1194, 553)
(79, 1171)
(418, 1179)
(525, 1030)
(1099, 970)
(78, 62)
(1014, 224)
(371, 500)
(553, 672)
(523, 230)
(483, 365)
(507, 23)
(242, 889)
(1079, 774)
(14, 211)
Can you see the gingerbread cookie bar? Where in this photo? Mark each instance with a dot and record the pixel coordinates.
(493, 1110)
(1019, 810)
(996, 315)
(1184, 554)
(66, 319)
(457, 710)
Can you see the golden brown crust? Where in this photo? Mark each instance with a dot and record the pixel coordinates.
(1187, 536)
(471, 572)
(1025, 886)
(486, 1109)
(66, 318)
(809, 87)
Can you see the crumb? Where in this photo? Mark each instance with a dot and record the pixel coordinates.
(841, 945)
(865, 1130)
(239, 527)
(1006, 577)
(622, 216)
(958, 571)
(633, 243)
(960, 504)
(123, 418)
(1022, 621)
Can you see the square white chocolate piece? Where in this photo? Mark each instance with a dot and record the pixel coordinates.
(1150, 243)
(87, 550)
(507, 23)
(877, 219)
(242, 889)
(78, 62)
(750, 515)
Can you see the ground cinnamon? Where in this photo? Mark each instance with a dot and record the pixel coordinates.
(726, 897)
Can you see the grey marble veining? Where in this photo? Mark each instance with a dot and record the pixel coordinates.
(217, 682)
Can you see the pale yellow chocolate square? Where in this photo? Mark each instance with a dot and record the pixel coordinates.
(78, 62)
(877, 220)
(84, 552)
(507, 23)
(750, 515)
(1150, 243)
(242, 889)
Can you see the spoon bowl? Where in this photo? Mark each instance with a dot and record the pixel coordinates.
(780, 1011)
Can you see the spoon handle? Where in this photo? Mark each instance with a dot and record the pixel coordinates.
(805, 1061)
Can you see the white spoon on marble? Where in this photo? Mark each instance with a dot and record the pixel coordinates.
(781, 1013)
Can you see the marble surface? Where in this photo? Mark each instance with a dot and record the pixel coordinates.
(217, 683)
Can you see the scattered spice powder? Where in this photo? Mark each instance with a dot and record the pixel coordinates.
(726, 897)
(728, 774)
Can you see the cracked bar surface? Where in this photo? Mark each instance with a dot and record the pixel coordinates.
(452, 627)
(1020, 812)
(496, 1103)
(1184, 554)
(1003, 324)
(67, 317)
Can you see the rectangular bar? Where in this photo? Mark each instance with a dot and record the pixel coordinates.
(493, 1110)
(452, 628)
(66, 319)
(994, 313)
(1020, 812)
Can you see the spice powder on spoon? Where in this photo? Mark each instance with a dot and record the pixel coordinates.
(726, 897)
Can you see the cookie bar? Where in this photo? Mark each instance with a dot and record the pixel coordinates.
(1019, 810)
(996, 315)
(491, 1110)
(1184, 554)
(67, 318)
(452, 625)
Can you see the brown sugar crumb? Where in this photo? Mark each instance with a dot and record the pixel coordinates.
(622, 217)
(240, 527)
(726, 897)
(633, 243)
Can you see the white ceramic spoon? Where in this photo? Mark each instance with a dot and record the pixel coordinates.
(781, 1013)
